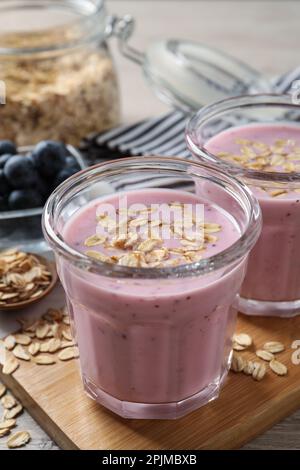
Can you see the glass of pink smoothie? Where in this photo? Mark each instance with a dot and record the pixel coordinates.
(151, 310)
(257, 138)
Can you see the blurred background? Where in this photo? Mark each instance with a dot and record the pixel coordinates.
(263, 33)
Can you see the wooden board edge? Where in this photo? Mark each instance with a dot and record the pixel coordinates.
(261, 421)
(38, 414)
(230, 439)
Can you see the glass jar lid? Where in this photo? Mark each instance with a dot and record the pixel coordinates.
(189, 75)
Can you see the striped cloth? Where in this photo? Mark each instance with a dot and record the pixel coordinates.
(162, 135)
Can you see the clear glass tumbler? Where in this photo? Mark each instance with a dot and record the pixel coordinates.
(153, 342)
(272, 282)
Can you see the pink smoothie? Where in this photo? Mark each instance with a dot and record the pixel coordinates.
(152, 340)
(274, 264)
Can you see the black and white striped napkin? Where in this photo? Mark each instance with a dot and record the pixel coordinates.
(162, 135)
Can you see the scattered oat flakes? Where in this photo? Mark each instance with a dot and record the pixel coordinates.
(2, 389)
(67, 335)
(4, 432)
(54, 330)
(237, 363)
(9, 342)
(13, 412)
(42, 330)
(20, 353)
(8, 402)
(31, 328)
(34, 348)
(273, 347)
(44, 360)
(10, 365)
(259, 371)
(54, 345)
(66, 344)
(249, 368)
(238, 347)
(19, 439)
(265, 355)
(31, 334)
(8, 424)
(67, 354)
(44, 347)
(242, 339)
(22, 339)
(278, 367)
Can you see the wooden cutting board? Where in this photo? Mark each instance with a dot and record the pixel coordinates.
(54, 396)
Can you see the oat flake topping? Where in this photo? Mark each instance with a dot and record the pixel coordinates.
(282, 156)
(135, 239)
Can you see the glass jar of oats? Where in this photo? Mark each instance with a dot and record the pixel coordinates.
(57, 76)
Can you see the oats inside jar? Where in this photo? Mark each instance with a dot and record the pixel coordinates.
(55, 90)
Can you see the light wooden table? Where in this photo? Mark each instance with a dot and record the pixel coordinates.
(263, 33)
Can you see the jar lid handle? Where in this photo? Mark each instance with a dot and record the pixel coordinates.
(122, 28)
(185, 74)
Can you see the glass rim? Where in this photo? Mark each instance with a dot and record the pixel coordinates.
(233, 253)
(225, 106)
(92, 35)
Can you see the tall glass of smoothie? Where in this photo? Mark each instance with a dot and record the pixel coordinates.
(151, 253)
(257, 138)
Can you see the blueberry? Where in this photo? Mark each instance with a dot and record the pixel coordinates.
(4, 158)
(42, 186)
(6, 146)
(3, 203)
(20, 172)
(49, 157)
(4, 185)
(63, 175)
(71, 162)
(25, 199)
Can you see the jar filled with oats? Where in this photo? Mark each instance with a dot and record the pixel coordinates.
(57, 76)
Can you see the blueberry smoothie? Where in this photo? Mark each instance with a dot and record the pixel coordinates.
(273, 273)
(153, 341)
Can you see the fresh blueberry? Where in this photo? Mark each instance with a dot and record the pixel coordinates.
(20, 172)
(3, 203)
(6, 146)
(43, 187)
(25, 199)
(63, 175)
(71, 162)
(4, 158)
(49, 158)
(4, 185)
